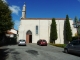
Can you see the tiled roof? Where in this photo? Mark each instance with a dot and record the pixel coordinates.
(43, 18)
(10, 33)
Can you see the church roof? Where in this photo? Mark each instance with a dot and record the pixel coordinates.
(43, 18)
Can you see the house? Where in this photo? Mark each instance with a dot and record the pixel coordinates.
(11, 33)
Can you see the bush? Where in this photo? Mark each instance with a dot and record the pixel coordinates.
(58, 45)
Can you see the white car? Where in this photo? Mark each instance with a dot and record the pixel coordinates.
(22, 42)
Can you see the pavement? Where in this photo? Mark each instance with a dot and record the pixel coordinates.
(35, 52)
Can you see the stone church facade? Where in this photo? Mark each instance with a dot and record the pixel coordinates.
(33, 29)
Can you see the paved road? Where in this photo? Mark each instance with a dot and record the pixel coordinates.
(35, 52)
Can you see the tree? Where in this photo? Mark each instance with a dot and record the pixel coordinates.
(76, 35)
(79, 19)
(78, 26)
(6, 22)
(76, 20)
(53, 31)
(67, 30)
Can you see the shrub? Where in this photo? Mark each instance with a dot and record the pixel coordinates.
(59, 45)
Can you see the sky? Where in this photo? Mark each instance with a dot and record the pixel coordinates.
(43, 9)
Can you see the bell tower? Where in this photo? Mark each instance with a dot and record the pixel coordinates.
(24, 11)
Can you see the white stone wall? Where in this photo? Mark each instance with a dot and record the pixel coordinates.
(74, 30)
(44, 30)
(60, 32)
(31, 25)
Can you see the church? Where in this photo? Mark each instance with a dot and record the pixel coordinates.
(33, 29)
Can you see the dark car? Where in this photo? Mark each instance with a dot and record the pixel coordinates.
(73, 47)
(42, 42)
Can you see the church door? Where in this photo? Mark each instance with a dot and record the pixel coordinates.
(29, 36)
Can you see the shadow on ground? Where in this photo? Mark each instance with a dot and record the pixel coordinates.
(3, 54)
(33, 52)
(78, 55)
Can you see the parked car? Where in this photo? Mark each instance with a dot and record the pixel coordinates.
(42, 42)
(22, 42)
(73, 47)
(38, 42)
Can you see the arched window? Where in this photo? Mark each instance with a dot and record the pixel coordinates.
(36, 29)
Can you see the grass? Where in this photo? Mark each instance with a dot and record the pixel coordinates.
(58, 45)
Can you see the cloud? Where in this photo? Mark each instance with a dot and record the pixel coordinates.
(79, 0)
(15, 9)
(16, 24)
(5, 1)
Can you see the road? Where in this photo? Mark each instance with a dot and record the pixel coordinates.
(35, 52)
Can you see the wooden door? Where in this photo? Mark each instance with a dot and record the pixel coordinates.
(27, 38)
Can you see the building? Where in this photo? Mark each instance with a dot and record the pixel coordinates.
(11, 33)
(33, 29)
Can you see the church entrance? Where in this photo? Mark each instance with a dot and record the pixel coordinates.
(29, 36)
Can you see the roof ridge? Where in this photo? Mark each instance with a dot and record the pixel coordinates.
(45, 18)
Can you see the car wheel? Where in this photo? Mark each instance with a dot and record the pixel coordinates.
(66, 50)
(18, 45)
(37, 44)
(40, 45)
(46, 44)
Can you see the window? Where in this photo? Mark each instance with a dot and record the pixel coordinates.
(36, 29)
(75, 42)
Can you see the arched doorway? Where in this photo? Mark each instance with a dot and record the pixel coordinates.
(29, 36)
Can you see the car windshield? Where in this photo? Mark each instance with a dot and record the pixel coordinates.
(21, 40)
(44, 40)
(75, 42)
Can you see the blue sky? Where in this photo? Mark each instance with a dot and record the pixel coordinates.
(44, 9)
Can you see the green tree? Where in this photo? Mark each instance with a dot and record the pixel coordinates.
(67, 30)
(79, 19)
(6, 22)
(76, 20)
(53, 31)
